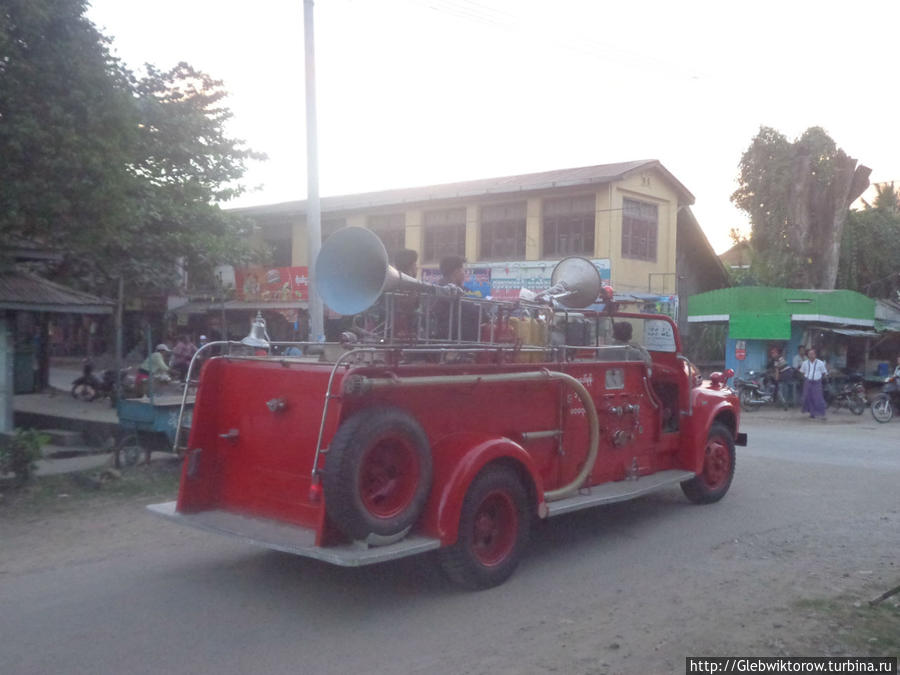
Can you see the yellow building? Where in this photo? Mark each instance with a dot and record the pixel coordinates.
(627, 217)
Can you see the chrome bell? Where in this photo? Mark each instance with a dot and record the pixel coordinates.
(258, 336)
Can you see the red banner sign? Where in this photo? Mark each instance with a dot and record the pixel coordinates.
(272, 284)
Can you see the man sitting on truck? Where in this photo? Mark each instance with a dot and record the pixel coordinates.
(453, 274)
(622, 334)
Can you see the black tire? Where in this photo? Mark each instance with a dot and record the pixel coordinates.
(84, 391)
(128, 451)
(882, 408)
(745, 397)
(711, 484)
(377, 473)
(857, 405)
(494, 528)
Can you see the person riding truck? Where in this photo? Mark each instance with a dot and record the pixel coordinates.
(622, 334)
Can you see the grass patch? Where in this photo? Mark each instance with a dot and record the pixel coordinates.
(862, 629)
(56, 493)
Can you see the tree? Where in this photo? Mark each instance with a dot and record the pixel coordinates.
(66, 122)
(122, 174)
(797, 195)
(870, 249)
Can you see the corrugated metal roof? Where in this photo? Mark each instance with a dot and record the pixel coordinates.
(588, 175)
(854, 333)
(201, 307)
(20, 290)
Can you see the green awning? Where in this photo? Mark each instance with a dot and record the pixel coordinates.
(744, 306)
(760, 327)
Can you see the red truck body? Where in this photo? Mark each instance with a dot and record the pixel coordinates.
(500, 436)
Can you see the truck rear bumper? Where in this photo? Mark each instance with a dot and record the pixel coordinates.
(293, 538)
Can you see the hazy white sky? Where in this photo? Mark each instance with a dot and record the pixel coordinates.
(416, 92)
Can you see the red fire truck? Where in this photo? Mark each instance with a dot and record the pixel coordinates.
(405, 438)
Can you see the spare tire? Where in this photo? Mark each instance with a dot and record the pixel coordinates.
(377, 473)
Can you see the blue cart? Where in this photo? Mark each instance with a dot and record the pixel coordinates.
(148, 424)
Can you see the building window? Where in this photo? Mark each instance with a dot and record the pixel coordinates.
(503, 231)
(331, 225)
(281, 252)
(639, 225)
(391, 229)
(569, 226)
(445, 234)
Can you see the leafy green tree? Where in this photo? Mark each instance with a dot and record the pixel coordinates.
(66, 123)
(797, 195)
(870, 249)
(120, 173)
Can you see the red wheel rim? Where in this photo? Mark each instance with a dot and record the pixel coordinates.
(494, 528)
(389, 475)
(717, 466)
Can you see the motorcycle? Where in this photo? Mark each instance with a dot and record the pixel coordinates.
(755, 389)
(884, 405)
(850, 394)
(89, 387)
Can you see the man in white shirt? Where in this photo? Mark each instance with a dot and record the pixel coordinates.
(813, 370)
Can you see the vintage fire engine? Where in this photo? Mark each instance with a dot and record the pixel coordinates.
(447, 423)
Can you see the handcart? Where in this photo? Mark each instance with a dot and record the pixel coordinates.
(149, 424)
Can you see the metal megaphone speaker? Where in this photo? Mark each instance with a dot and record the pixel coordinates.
(352, 271)
(258, 336)
(575, 283)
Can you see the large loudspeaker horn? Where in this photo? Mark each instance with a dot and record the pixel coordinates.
(575, 282)
(352, 271)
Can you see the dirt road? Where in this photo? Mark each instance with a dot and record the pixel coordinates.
(810, 527)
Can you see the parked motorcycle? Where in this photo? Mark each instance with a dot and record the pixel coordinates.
(755, 389)
(884, 405)
(847, 393)
(89, 387)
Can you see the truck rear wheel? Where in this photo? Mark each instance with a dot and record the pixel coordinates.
(493, 530)
(714, 479)
(377, 473)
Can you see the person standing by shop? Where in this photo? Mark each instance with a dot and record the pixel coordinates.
(799, 357)
(182, 354)
(813, 370)
(797, 376)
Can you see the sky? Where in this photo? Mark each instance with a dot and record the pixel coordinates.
(419, 92)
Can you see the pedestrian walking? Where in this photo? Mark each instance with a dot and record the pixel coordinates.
(813, 370)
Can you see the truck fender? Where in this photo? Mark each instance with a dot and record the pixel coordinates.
(457, 459)
(703, 419)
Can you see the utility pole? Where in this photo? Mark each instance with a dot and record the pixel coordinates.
(313, 209)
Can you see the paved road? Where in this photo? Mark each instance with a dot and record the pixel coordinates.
(628, 588)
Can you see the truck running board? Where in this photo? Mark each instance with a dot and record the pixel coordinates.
(619, 491)
(293, 538)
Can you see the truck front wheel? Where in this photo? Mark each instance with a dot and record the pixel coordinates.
(714, 479)
(493, 530)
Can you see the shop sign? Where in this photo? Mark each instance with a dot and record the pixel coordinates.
(477, 283)
(507, 278)
(272, 284)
